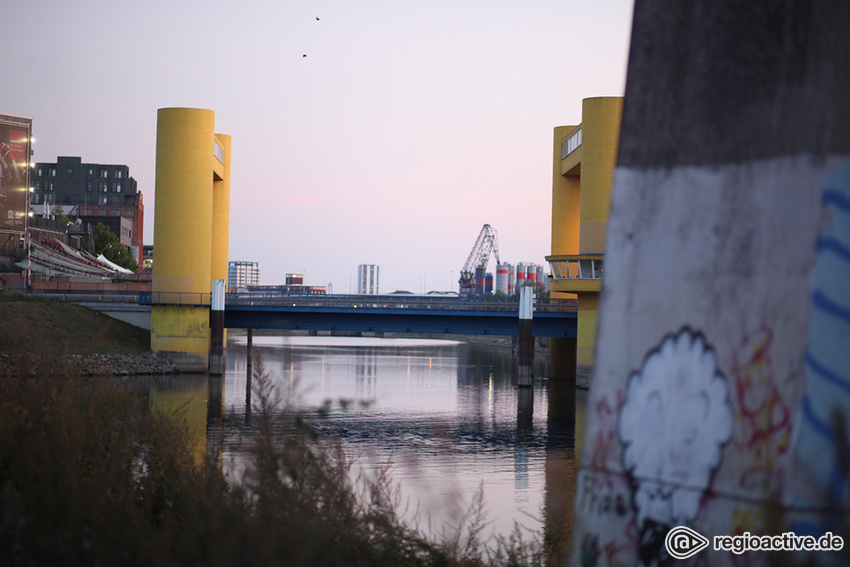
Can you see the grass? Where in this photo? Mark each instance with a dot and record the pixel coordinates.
(90, 476)
(33, 324)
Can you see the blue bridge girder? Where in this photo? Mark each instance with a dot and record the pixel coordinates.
(397, 314)
(356, 313)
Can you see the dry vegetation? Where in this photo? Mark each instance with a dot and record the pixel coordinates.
(90, 476)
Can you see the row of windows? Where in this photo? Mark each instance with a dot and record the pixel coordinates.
(571, 144)
(104, 173)
(38, 199)
(103, 187)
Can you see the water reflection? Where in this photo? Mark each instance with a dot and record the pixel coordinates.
(447, 416)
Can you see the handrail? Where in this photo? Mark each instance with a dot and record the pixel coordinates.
(384, 302)
(576, 266)
(89, 295)
(312, 302)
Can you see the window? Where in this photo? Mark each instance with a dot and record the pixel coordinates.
(116, 187)
(52, 172)
(39, 172)
(91, 170)
(48, 186)
(36, 198)
(88, 186)
(104, 173)
(70, 171)
(118, 173)
(48, 198)
(104, 187)
(101, 200)
(116, 212)
(131, 212)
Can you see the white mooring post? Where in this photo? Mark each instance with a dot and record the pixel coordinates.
(525, 346)
(217, 328)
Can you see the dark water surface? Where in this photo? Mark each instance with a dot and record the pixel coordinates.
(445, 416)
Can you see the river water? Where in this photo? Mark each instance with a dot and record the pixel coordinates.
(446, 417)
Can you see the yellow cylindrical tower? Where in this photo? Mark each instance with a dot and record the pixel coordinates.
(183, 232)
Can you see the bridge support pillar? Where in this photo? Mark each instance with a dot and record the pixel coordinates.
(562, 358)
(191, 231)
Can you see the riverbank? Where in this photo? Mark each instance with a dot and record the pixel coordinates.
(37, 333)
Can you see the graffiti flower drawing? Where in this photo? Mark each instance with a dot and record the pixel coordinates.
(673, 424)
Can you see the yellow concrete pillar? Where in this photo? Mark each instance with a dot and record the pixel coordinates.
(566, 192)
(190, 225)
(221, 212)
(600, 120)
(588, 305)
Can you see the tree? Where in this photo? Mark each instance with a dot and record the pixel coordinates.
(59, 214)
(106, 243)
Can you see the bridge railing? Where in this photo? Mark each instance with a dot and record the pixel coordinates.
(88, 295)
(383, 302)
(188, 298)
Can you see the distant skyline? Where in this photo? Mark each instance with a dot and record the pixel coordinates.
(405, 128)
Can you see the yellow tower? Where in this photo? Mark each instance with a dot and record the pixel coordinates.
(191, 232)
(583, 169)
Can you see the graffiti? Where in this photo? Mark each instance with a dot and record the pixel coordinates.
(763, 417)
(674, 422)
(600, 496)
(605, 441)
(821, 451)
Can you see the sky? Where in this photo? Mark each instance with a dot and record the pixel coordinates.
(406, 128)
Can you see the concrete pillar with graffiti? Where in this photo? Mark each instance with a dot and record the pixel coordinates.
(720, 399)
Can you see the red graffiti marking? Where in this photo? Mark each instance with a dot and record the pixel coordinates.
(764, 419)
(605, 441)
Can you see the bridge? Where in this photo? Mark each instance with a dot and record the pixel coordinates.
(353, 313)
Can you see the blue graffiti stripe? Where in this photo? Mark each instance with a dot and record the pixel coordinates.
(821, 427)
(824, 303)
(836, 198)
(830, 244)
(825, 430)
(826, 373)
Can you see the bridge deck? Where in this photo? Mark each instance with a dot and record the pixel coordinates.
(359, 313)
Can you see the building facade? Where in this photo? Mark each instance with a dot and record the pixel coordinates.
(368, 279)
(15, 153)
(241, 273)
(584, 158)
(94, 193)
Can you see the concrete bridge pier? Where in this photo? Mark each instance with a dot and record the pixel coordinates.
(562, 359)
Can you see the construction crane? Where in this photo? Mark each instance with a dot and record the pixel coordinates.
(476, 264)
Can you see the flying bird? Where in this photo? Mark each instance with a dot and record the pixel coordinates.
(317, 18)
(305, 55)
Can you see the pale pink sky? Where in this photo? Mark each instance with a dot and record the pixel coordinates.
(407, 127)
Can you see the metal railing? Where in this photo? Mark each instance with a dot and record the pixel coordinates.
(580, 266)
(188, 298)
(307, 302)
(89, 295)
(385, 302)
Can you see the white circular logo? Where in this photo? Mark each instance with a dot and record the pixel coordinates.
(683, 542)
